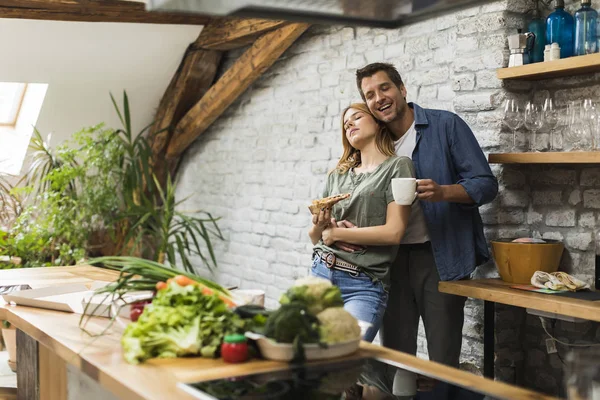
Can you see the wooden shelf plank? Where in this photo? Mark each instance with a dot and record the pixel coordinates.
(566, 157)
(553, 69)
(497, 291)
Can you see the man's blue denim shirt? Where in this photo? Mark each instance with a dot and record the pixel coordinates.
(448, 153)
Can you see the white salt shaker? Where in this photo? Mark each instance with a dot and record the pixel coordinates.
(547, 53)
(555, 51)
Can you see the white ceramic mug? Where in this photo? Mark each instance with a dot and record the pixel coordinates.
(405, 383)
(404, 190)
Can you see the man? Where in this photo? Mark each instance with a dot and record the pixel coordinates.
(444, 239)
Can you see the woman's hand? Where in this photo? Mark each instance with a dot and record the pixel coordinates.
(350, 248)
(328, 235)
(322, 219)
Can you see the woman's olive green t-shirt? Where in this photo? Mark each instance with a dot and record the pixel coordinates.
(371, 193)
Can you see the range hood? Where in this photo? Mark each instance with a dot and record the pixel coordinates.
(374, 13)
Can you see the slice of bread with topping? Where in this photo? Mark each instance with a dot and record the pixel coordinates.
(326, 202)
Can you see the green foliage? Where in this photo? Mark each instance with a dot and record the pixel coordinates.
(71, 192)
(10, 203)
(98, 194)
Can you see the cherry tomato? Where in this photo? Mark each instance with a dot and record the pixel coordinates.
(135, 313)
(137, 309)
(161, 285)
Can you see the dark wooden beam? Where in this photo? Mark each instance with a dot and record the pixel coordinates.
(260, 56)
(193, 78)
(94, 11)
(228, 34)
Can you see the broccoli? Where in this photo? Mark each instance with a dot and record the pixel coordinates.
(290, 321)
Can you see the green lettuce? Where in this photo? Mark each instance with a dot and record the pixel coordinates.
(180, 321)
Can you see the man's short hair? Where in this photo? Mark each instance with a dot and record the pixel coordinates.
(372, 69)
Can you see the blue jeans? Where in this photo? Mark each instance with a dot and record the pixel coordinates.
(364, 298)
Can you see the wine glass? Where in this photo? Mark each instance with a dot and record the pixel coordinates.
(551, 117)
(513, 119)
(577, 132)
(590, 116)
(533, 122)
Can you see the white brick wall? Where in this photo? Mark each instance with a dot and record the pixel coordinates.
(262, 162)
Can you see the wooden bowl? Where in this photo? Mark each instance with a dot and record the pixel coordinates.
(516, 262)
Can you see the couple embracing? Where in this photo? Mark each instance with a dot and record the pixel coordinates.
(388, 258)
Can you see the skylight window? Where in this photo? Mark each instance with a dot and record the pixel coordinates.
(11, 100)
(20, 106)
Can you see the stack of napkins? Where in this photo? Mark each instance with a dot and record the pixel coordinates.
(557, 281)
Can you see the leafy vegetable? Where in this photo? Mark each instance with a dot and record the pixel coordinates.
(180, 321)
(137, 274)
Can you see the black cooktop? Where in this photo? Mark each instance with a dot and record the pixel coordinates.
(335, 380)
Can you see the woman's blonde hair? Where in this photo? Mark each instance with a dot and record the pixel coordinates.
(351, 156)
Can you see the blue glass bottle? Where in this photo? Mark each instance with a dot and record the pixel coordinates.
(537, 27)
(585, 29)
(560, 27)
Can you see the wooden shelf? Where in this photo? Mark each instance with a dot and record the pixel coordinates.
(553, 69)
(566, 157)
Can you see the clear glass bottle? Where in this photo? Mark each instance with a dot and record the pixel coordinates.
(560, 27)
(585, 29)
(537, 27)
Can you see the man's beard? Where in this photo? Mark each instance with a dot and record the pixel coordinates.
(400, 111)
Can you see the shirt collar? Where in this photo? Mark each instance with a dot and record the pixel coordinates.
(420, 116)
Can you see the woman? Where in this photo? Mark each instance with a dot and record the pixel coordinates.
(365, 170)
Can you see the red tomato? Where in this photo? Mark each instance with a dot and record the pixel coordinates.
(135, 313)
(137, 309)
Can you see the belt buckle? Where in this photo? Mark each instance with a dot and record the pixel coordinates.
(330, 260)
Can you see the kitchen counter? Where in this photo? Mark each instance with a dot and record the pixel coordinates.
(49, 340)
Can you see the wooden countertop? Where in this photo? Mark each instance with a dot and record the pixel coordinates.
(101, 358)
(498, 291)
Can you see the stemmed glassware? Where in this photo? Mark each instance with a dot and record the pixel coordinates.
(551, 118)
(573, 128)
(534, 122)
(577, 132)
(590, 116)
(513, 119)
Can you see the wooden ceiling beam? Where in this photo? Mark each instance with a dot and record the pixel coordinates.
(193, 78)
(260, 56)
(228, 34)
(94, 11)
